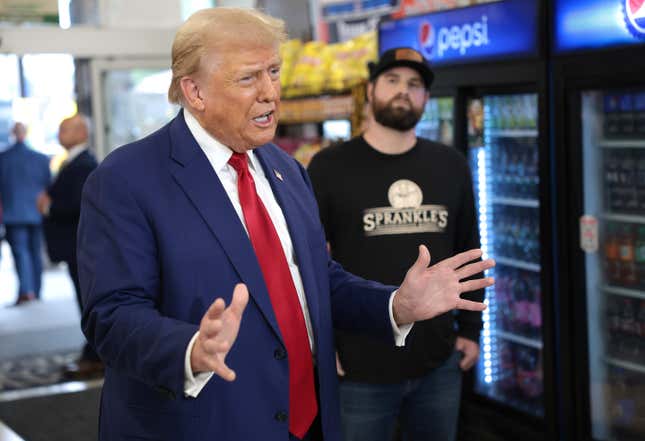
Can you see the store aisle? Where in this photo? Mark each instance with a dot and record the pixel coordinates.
(48, 325)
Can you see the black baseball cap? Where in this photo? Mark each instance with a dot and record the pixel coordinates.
(402, 56)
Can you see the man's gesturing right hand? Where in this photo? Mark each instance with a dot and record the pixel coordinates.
(217, 333)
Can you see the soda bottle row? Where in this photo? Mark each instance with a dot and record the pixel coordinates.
(624, 179)
(519, 374)
(516, 233)
(510, 112)
(626, 404)
(625, 325)
(515, 168)
(624, 114)
(518, 302)
(624, 255)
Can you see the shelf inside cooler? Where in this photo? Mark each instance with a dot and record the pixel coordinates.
(622, 143)
(517, 263)
(626, 218)
(516, 202)
(512, 133)
(625, 292)
(537, 344)
(630, 365)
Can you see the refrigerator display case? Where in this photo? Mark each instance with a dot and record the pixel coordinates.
(488, 58)
(437, 122)
(504, 156)
(599, 149)
(612, 123)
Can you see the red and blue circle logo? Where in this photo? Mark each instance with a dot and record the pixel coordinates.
(427, 38)
(634, 11)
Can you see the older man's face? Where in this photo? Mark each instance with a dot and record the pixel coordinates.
(240, 89)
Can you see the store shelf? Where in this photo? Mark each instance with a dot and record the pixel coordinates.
(537, 344)
(622, 143)
(316, 109)
(516, 202)
(627, 218)
(512, 133)
(626, 364)
(517, 263)
(625, 292)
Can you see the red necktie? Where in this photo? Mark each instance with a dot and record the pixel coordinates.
(284, 298)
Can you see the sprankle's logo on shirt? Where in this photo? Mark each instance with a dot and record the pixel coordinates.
(406, 214)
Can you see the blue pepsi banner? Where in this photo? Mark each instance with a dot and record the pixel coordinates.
(591, 24)
(477, 33)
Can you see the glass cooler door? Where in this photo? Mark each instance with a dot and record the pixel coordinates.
(613, 146)
(503, 152)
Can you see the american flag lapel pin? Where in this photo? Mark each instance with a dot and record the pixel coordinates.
(277, 174)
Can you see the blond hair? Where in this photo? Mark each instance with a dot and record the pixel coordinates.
(215, 29)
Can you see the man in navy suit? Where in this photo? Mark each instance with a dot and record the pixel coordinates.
(24, 173)
(196, 242)
(60, 205)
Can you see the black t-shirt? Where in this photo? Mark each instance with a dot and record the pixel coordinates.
(377, 209)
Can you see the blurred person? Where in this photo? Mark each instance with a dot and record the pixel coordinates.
(201, 251)
(60, 205)
(24, 173)
(397, 191)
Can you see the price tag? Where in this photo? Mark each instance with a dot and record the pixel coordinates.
(588, 233)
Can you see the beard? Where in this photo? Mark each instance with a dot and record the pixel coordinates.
(389, 115)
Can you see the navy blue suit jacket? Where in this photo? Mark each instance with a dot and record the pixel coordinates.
(159, 240)
(65, 210)
(23, 174)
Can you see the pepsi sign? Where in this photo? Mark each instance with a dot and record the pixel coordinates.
(591, 24)
(476, 33)
(634, 11)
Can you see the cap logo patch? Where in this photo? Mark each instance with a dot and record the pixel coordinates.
(408, 54)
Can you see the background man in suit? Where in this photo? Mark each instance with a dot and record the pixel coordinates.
(24, 173)
(60, 205)
(187, 229)
(389, 171)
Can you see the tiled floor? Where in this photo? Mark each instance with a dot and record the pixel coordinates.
(48, 325)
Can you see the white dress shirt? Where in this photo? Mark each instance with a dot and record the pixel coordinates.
(218, 156)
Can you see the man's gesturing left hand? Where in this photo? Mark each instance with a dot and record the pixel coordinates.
(427, 292)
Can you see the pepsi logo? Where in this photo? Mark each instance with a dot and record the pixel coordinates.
(427, 38)
(634, 11)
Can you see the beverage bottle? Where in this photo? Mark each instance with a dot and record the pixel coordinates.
(626, 108)
(640, 180)
(639, 257)
(507, 116)
(627, 256)
(613, 322)
(639, 113)
(503, 298)
(627, 325)
(610, 172)
(628, 182)
(522, 301)
(535, 310)
(529, 375)
(533, 173)
(640, 334)
(612, 254)
(506, 381)
(514, 298)
(611, 120)
(499, 168)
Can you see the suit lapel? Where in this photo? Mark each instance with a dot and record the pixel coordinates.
(293, 213)
(194, 174)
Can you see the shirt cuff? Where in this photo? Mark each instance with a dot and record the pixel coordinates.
(400, 332)
(193, 384)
